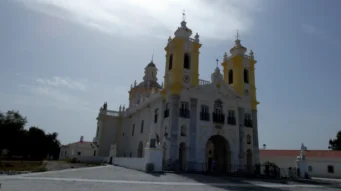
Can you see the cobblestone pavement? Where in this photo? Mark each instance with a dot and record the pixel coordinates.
(107, 178)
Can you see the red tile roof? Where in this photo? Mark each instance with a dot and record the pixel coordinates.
(309, 153)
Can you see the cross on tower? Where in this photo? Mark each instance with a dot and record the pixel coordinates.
(217, 61)
(238, 34)
(183, 15)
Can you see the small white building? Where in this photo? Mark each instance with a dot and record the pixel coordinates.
(321, 163)
(82, 151)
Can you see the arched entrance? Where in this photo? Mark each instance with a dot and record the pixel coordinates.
(140, 150)
(182, 156)
(218, 154)
(110, 160)
(164, 152)
(249, 160)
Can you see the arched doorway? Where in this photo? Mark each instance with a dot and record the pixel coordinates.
(249, 160)
(140, 150)
(182, 156)
(218, 151)
(164, 152)
(110, 160)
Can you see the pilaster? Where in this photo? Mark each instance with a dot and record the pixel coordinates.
(193, 129)
(241, 136)
(174, 126)
(255, 137)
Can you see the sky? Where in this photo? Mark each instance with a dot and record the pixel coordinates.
(61, 60)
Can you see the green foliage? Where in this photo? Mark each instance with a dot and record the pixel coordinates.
(32, 144)
(335, 144)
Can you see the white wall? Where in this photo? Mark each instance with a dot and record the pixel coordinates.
(91, 159)
(319, 166)
(132, 163)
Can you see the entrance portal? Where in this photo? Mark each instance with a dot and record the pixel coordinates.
(218, 154)
(182, 156)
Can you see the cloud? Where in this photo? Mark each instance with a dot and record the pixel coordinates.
(52, 94)
(63, 82)
(313, 30)
(216, 19)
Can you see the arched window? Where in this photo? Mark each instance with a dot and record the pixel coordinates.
(170, 63)
(246, 76)
(187, 61)
(230, 76)
(248, 139)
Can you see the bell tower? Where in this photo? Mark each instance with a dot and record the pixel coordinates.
(182, 60)
(239, 71)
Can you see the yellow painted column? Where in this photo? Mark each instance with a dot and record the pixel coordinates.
(166, 67)
(177, 70)
(195, 64)
(254, 101)
(238, 71)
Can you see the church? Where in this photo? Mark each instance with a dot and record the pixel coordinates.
(194, 121)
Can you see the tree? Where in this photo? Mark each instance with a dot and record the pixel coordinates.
(335, 144)
(32, 144)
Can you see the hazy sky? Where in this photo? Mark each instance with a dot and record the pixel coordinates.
(60, 59)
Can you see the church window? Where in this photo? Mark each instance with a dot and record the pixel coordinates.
(247, 120)
(184, 110)
(218, 115)
(246, 76)
(132, 132)
(79, 153)
(187, 61)
(142, 124)
(166, 112)
(248, 139)
(183, 131)
(204, 114)
(95, 153)
(155, 115)
(231, 118)
(170, 63)
(230, 76)
(330, 168)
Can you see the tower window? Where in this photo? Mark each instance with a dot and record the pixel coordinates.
(133, 130)
(246, 76)
(187, 61)
(248, 139)
(230, 76)
(170, 63)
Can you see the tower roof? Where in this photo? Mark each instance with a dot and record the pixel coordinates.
(237, 47)
(183, 31)
(151, 64)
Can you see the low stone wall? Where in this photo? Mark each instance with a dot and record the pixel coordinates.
(90, 159)
(132, 163)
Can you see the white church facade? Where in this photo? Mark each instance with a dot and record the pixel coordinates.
(192, 121)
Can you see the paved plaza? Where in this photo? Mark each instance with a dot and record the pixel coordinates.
(105, 178)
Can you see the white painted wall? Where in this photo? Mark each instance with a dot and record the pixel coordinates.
(90, 159)
(132, 163)
(319, 166)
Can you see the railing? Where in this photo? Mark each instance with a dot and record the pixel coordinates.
(204, 82)
(231, 120)
(218, 117)
(248, 123)
(204, 116)
(184, 113)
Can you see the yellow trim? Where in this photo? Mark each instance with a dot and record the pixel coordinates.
(254, 101)
(238, 71)
(195, 64)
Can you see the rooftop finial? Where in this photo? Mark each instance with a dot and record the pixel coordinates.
(183, 15)
(217, 61)
(238, 35)
(153, 55)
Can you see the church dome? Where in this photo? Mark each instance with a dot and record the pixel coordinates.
(183, 31)
(150, 84)
(237, 48)
(151, 64)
